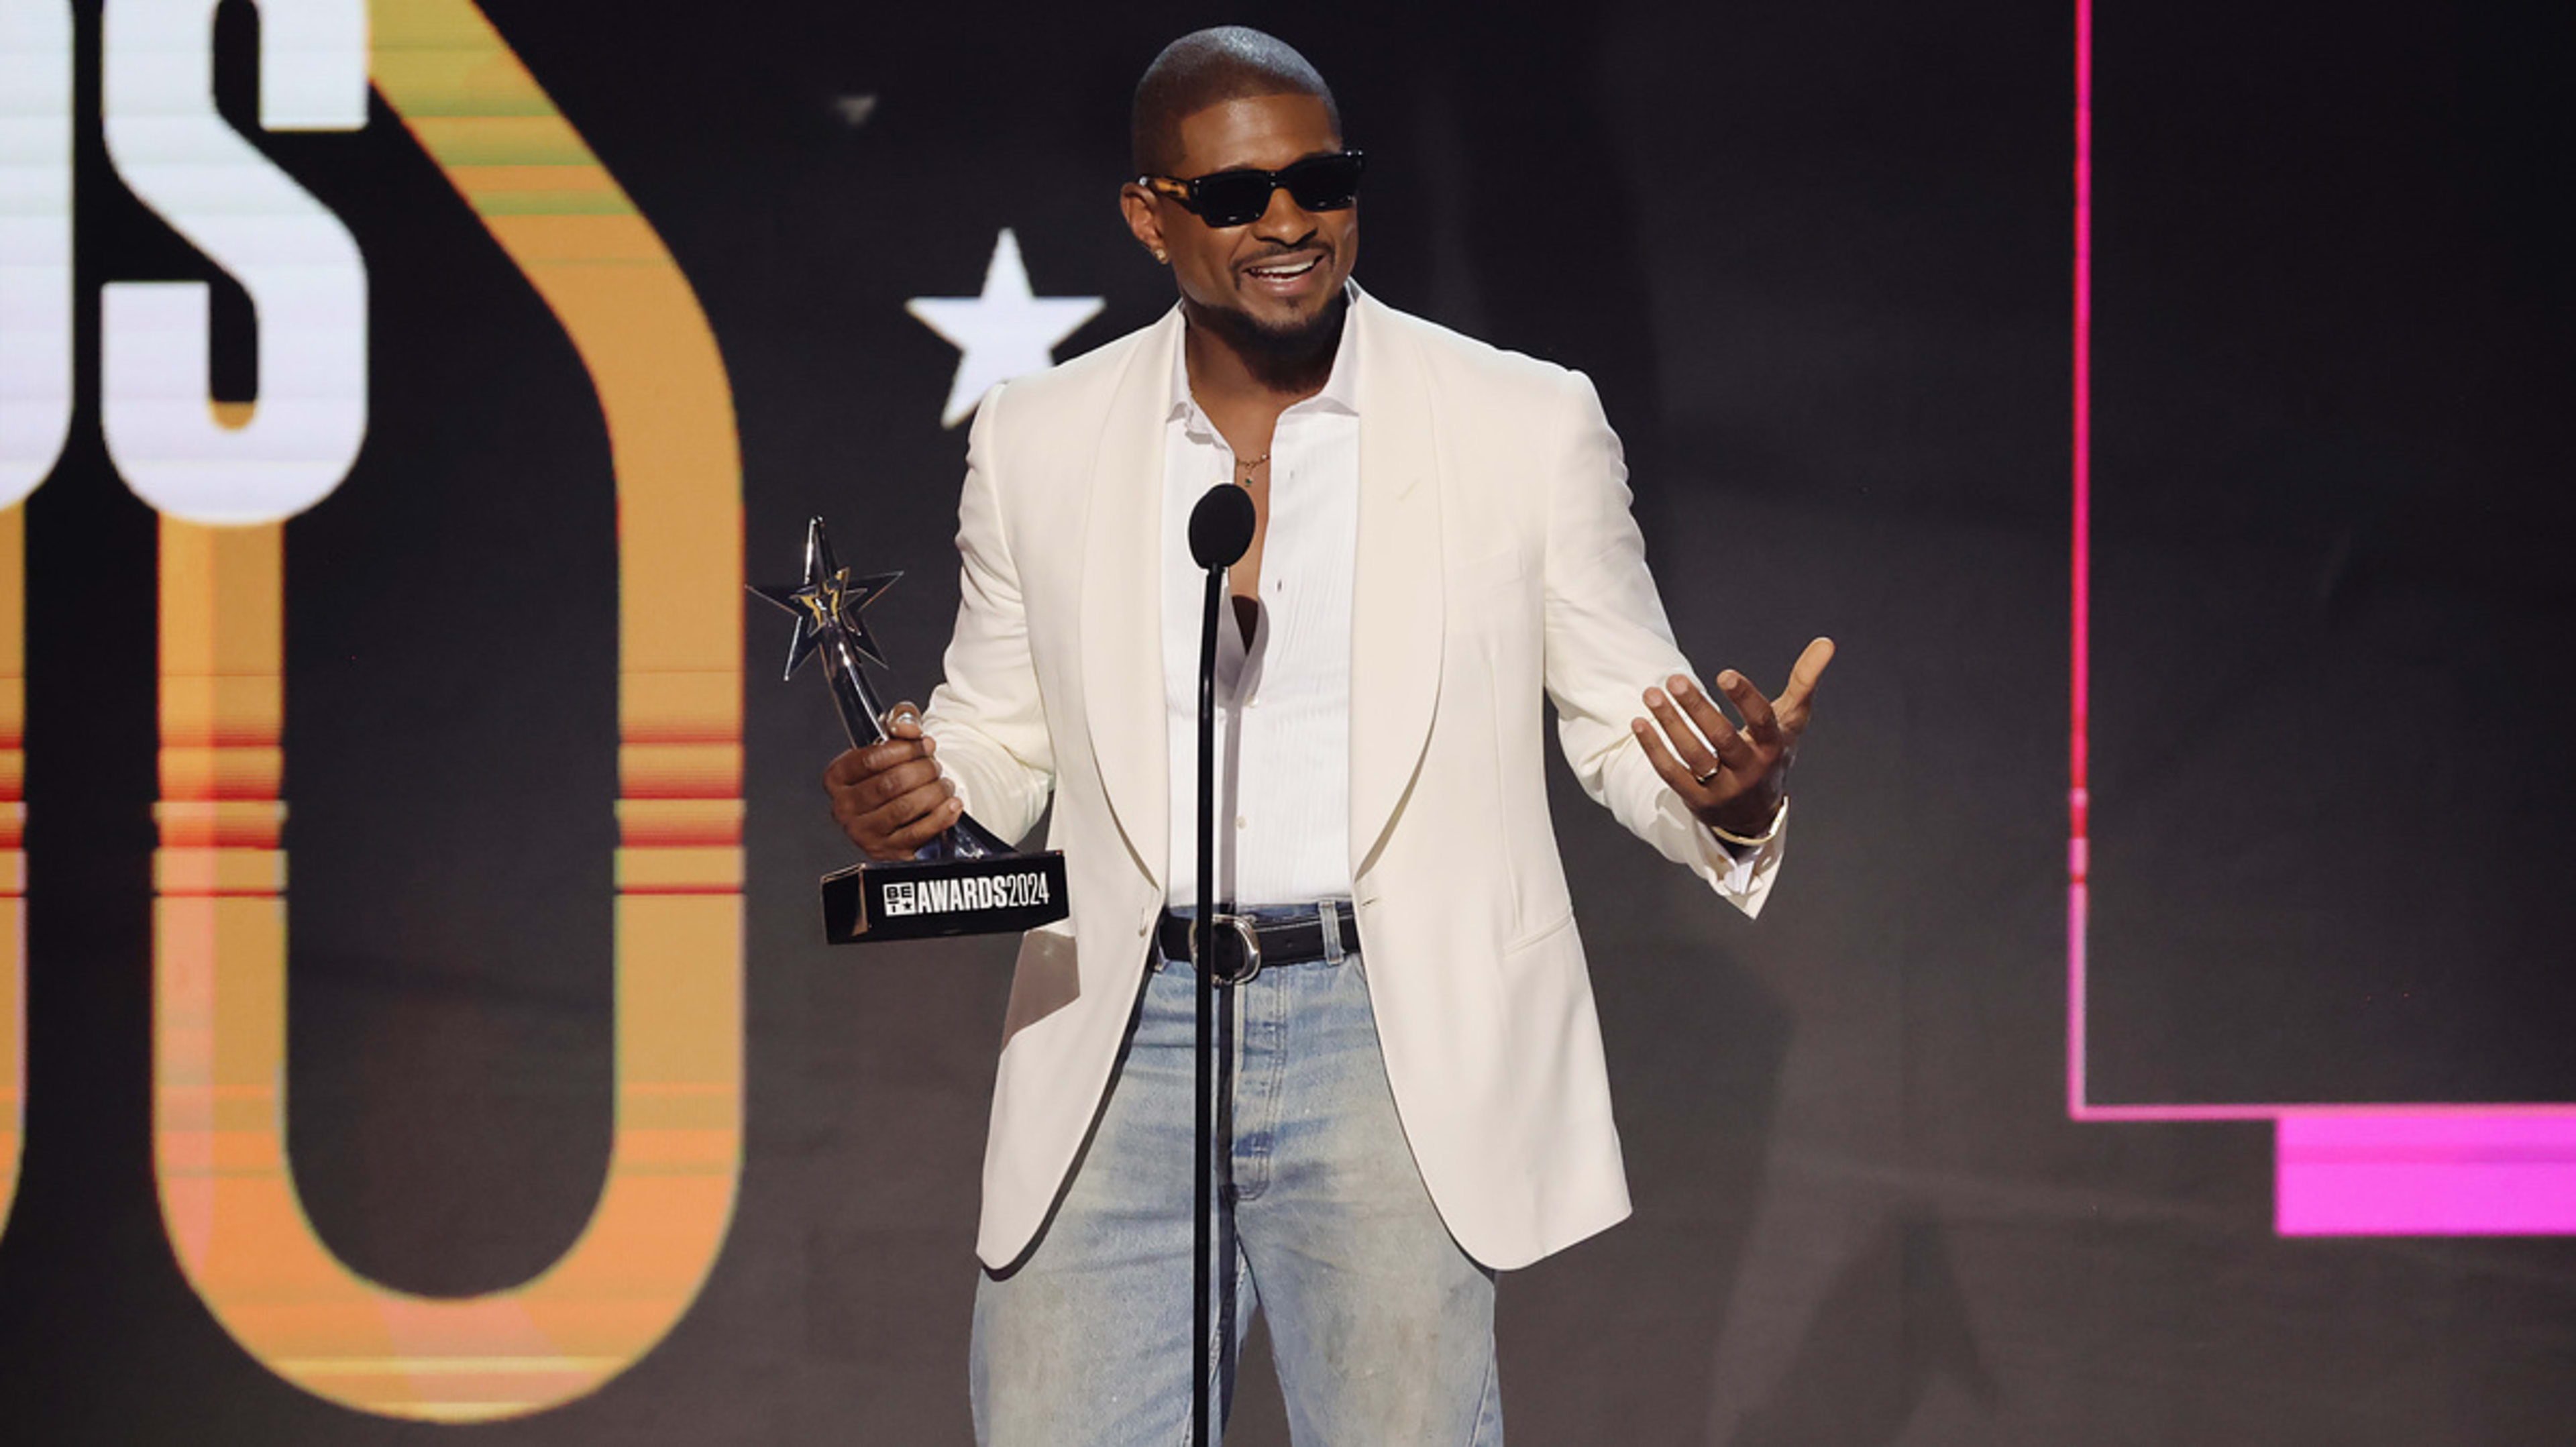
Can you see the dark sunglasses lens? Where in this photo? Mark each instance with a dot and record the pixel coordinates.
(1231, 198)
(1238, 198)
(1326, 183)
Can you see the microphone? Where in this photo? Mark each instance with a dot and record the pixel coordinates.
(1221, 526)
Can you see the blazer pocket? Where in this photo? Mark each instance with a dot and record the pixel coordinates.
(1545, 934)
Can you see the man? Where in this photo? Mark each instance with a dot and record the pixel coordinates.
(1418, 1098)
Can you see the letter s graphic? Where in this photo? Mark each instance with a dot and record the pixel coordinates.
(186, 455)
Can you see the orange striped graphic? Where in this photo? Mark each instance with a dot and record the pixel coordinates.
(227, 1186)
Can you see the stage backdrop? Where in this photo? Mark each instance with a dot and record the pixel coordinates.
(415, 1011)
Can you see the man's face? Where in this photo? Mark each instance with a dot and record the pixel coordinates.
(1282, 272)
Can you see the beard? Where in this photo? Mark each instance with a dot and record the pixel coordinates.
(1295, 357)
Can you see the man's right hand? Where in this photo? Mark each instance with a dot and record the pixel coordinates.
(889, 797)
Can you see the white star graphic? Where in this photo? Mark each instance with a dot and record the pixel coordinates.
(1005, 333)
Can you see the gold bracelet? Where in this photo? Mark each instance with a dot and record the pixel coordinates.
(1766, 836)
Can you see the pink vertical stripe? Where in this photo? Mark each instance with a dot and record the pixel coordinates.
(2078, 796)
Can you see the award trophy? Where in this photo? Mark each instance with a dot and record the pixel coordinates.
(966, 881)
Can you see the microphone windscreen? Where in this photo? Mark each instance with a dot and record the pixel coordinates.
(1221, 526)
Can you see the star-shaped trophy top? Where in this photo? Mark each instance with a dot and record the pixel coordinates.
(830, 599)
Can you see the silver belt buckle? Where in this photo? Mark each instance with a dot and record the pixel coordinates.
(1243, 931)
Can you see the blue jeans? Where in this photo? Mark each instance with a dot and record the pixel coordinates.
(1382, 1330)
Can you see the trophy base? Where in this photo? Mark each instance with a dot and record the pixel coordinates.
(920, 899)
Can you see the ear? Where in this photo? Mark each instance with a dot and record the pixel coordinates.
(1144, 218)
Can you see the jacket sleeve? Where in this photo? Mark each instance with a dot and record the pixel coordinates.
(987, 714)
(1607, 641)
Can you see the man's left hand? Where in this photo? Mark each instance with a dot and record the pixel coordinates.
(1736, 779)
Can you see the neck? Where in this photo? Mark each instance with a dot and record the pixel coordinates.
(1233, 359)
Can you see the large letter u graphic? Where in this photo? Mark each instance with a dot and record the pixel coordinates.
(228, 1195)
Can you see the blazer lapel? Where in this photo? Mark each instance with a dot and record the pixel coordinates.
(1396, 588)
(1122, 601)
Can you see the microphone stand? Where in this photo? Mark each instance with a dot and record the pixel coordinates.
(1204, 966)
(1221, 528)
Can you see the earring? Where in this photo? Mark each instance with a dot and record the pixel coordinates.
(1160, 259)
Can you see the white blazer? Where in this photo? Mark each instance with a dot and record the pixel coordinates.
(1496, 558)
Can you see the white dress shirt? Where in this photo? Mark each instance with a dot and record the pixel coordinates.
(1283, 700)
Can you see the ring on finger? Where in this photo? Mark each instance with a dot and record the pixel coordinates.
(1702, 779)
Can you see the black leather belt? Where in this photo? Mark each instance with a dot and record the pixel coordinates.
(1268, 935)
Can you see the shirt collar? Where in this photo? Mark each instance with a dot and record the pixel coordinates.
(1341, 391)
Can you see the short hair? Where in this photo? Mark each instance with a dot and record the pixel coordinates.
(1210, 67)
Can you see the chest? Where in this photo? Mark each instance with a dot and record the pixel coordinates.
(1293, 591)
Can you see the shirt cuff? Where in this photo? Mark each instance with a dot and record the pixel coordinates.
(1742, 873)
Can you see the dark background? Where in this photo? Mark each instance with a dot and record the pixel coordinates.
(1818, 258)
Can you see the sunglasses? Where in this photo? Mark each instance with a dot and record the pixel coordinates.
(1237, 198)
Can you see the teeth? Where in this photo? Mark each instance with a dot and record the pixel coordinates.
(1284, 272)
